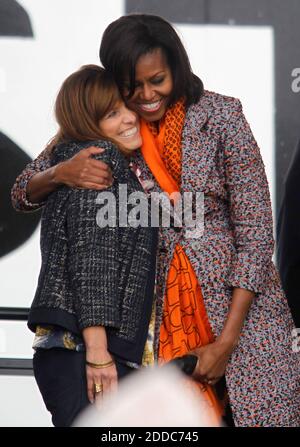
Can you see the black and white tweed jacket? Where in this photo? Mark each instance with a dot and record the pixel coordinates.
(90, 275)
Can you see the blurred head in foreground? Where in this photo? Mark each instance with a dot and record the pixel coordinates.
(155, 397)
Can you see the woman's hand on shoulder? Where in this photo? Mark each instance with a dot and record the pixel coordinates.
(83, 171)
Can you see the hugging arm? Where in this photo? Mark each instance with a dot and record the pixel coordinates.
(21, 200)
(40, 178)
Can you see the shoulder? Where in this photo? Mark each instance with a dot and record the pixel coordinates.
(216, 101)
(64, 151)
(111, 155)
(214, 108)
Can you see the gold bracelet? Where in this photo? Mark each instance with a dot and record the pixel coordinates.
(100, 365)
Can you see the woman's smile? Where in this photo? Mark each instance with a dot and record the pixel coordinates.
(122, 126)
(129, 132)
(151, 107)
(153, 86)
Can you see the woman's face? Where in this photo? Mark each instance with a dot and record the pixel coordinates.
(154, 86)
(122, 125)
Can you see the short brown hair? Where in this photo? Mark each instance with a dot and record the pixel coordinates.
(84, 98)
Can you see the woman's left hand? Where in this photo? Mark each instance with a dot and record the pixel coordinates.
(212, 361)
(106, 379)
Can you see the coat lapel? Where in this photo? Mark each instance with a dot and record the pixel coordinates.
(199, 146)
(143, 173)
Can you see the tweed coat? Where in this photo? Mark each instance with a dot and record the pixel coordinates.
(220, 158)
(89, 272)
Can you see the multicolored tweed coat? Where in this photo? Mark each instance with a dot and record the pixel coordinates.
(220, 157)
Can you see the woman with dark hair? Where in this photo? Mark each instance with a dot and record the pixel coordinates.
(92, 308)
(145, 33)
(218, 294)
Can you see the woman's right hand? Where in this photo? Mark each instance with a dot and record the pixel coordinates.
(83, 171)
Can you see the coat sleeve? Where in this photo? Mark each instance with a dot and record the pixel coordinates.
(18, 193)
(93, 266)
(249, 204)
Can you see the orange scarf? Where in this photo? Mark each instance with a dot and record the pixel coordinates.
(185, 323)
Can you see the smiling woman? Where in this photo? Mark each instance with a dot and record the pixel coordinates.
(89, 106)
(121, 125)
(154, 85)
(91, 309)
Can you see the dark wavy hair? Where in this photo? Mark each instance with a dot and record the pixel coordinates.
(125, 40)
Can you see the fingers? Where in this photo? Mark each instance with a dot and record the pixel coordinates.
(94, 381)
(101, 382)
(91, 177)
(96, 175)
(90, 388)
(210, 380)
(99, 164)
(99, 394)
(82, 171)
(109, 379)
(98, 168)
(204, 376)
(88, 185)
(106, 382)
(93, 180)
(92, 150)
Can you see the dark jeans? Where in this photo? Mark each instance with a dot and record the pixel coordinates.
(61, 378)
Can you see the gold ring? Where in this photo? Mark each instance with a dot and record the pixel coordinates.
(98, 388)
